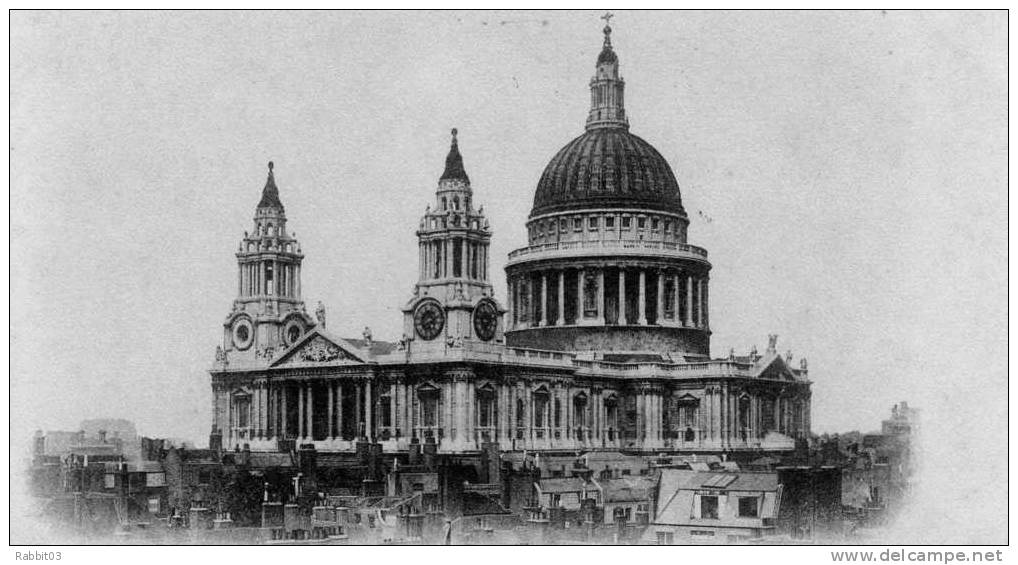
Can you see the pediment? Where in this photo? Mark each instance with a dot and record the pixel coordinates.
(776, 369)
(318, 348)
(428, 388)
(687, 398)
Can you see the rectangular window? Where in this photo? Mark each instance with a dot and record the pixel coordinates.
(609, 222)
(577, 224)
(665, 538)
(655, 224)
(668, 227)
(709, 507)
(153, 506)
(701, 533)
(385, 411)
(748, 507)
(155, 479)
(592, 223)
(563, 226)
(641, 223)
(111, 480)
(626, 220)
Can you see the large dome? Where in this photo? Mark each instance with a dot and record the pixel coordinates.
(607, 168)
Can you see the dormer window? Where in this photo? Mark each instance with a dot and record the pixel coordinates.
(626, 221)
(609, 222)
(592, 223)
(641, 222)
(655, 224)
(577, 224)
(563, 225)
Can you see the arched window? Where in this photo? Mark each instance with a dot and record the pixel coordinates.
(455, 202)
(429, 397)
(540, 408)
(444, 203)
(558, 413)
(580, 410)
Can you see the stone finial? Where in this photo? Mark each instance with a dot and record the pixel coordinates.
(731, 354)
(367, 335)
(802, 364)
(772, 343)
(788, 356)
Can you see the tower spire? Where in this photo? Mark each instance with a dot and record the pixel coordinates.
(607, 108)
(454, 162)
(270, 194)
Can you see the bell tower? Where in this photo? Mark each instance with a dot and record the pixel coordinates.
(453, 299)
(268, 314)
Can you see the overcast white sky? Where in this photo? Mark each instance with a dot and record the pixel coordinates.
(853, 166)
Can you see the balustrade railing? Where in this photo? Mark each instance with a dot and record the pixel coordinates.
(609, 244)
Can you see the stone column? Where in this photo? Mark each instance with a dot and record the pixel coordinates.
(689, 301)
(301, 420)
(311, 411)
(704, 303)
(282, 411)
(393, 413)
(544, 300)
(600, 296)
(659, 319)
(263, 409)
(699, 301)
(511, 314)
(331, 418)
(339, 410)
(444, 416)
(560, 318)
(623, 317)
(357, 410)
(580, 276)
(369, 404)
(677, 315)
(296, 281)
(642, 315)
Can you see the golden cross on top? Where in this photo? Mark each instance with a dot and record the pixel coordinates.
(607, 17)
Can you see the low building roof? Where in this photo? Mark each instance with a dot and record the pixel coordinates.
(567, 484)
(628, 489)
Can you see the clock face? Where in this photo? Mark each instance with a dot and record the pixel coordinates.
(242, 333)
(485, 321)
(429, 319)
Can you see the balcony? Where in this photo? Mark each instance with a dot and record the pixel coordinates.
(608, 247)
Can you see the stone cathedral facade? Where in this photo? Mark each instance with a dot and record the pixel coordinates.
(603, 342)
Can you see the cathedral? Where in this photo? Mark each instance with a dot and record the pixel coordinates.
(602, 343)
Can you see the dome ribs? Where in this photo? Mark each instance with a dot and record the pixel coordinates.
(607, 168)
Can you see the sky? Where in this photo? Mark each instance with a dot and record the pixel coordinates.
(845, 170)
